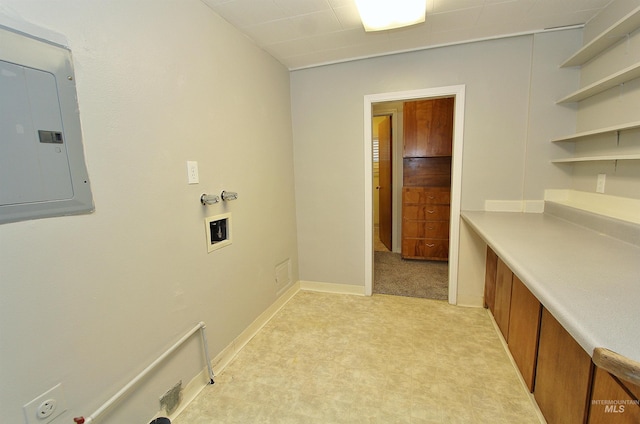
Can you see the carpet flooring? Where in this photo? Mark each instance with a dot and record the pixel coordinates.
(395, 276)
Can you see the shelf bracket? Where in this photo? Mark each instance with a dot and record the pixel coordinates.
(618, 138)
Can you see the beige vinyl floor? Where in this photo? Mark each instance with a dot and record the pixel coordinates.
(331, 358)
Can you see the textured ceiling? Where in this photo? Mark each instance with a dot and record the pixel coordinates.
(306, 33)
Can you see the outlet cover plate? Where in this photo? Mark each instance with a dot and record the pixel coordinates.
(192, 172)
(31, 409)
(602, 178)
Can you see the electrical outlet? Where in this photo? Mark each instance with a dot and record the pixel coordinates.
(192, 172)
(45, 407)
(600, 183)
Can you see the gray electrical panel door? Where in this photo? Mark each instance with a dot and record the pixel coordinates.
(42, 170)
(38, 167)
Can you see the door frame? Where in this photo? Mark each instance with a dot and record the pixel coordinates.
(457, 91)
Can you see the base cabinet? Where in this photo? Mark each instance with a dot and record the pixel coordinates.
(524, 330)
(502, 306)
(565, 383)
(613, 401)
(563, 374)
(490, 280)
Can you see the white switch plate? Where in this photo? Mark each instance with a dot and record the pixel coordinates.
(45, 407)
(600, 183)
(192, 172)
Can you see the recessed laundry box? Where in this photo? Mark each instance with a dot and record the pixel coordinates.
(218, 229)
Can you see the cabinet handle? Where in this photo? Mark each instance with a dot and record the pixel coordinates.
(430, 197)
(430, 245)
(430, 211)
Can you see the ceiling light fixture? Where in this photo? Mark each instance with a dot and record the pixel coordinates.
(379, 15)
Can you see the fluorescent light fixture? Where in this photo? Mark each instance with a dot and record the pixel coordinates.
(378, 15)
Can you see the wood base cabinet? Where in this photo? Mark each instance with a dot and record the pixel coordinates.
(565, 383)
(613, 401)
(524, 330)
(490, 279)
(563, 374)
(502, 307)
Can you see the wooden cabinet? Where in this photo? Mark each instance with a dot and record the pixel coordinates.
(490, 279)
(563, 374)
(428, 133)
(566, 384)
(425, 223)
(502, 305)
(613, 401)
(428, 127)
(524, 330)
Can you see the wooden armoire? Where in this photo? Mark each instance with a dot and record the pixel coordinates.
(426, 186)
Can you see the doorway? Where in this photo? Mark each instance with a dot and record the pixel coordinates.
(457, 92)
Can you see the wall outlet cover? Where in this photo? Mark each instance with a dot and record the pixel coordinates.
(602, 178)
(46, 407)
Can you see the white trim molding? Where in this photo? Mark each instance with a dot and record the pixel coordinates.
(316, 286)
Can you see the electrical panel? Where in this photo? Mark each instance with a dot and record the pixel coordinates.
(42, 167)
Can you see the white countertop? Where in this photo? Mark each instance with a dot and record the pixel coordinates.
(590, 282)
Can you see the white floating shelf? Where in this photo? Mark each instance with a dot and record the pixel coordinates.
(586, 134)
(607, 38)
(627, 74)
(597, 158)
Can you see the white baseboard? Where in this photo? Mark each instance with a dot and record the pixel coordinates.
(331, 288)
(224, 358)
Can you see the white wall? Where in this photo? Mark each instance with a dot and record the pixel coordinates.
(91, 300)
(511, 88)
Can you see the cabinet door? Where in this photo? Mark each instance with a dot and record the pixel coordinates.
(611, 402)
(563, 374)
(524, 326)
(490, 280)
(428, 127)
(503, 297)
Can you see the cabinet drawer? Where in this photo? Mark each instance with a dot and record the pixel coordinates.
(424, 196)
(425, 249)
(426, 212)
(425, 229)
